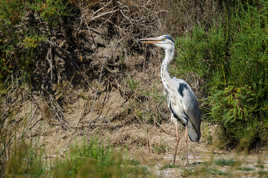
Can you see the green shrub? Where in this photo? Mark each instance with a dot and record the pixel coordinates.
(91, 159)
(232, 60)
(24, 28)
(94, 160)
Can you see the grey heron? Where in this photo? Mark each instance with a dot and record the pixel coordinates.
(181, 99)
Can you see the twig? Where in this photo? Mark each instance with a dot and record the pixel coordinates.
(49, 59)
(148, 140)
(103, 14)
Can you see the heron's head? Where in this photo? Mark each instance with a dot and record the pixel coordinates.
(164, 41)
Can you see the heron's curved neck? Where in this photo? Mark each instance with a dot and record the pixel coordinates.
(165, 77)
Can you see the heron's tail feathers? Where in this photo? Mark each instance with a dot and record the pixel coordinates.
(193, 133)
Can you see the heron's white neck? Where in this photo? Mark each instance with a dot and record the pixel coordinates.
(165, 77)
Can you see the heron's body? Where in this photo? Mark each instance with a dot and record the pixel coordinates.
(181, 100)
(183, 106)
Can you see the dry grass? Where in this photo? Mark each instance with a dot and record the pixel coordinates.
(181, 16)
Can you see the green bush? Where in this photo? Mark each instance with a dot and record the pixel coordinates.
(232, 60)
(91, 159)
(94, 160)
(25, 26)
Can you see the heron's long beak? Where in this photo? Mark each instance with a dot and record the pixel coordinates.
(150, 40)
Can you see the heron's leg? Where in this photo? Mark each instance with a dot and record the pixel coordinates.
(177, 131)
(177, 143)
(186, 141)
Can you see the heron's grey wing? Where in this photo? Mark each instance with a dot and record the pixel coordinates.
(190, 109)
(175, 102)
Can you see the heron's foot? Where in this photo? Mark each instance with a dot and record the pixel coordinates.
(186, 164)
(184, 160)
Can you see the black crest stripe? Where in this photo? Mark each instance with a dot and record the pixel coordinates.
(169, 37)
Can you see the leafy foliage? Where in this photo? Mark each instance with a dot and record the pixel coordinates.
(24, 29)
(231, 57)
